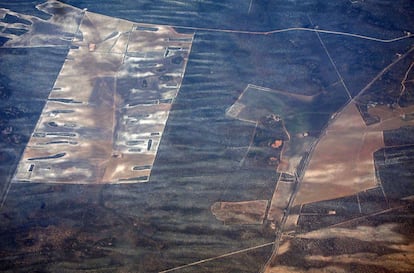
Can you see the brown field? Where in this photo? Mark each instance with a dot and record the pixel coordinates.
(247, 212)
(280, 201)
(342, 163)
(106, 114)
(391, 118)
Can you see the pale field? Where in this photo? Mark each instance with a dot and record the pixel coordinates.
(342, 163)
(89, 120)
